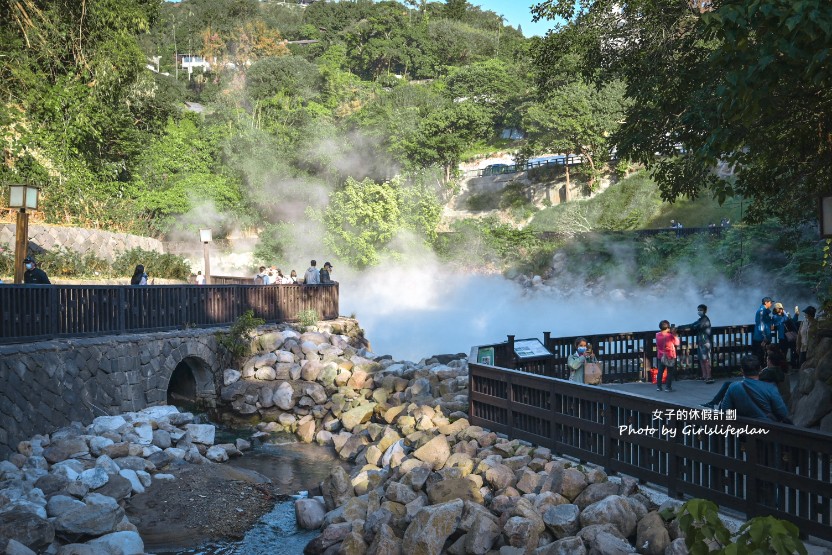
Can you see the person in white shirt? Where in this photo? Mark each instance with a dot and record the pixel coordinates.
(200, 279)
(312, 276)
(262, 278)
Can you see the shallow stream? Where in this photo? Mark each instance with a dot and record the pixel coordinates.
(294, 468)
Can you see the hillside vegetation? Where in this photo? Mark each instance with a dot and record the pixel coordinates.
(338, 128)
(634, 203)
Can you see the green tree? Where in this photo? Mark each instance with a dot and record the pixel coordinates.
(290, 75)
(444, 134)
(744, 83)
(363, 218)
(576, 119)
(493, 84)
(455, 9)
(73, 109)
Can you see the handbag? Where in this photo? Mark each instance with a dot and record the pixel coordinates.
(592, 373)
(668, 362)
(791, 336)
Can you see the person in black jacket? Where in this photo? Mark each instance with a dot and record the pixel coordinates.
(324, 274)
(702, 329)
(34, 275)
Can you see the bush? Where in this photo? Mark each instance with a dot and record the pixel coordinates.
(64, 262)
(308, 318)
(156, 264)
(6, 260)
(705, 533)
(238, 338)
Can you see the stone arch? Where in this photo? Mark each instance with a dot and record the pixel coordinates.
(190, 375)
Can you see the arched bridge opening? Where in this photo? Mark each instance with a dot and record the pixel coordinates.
(191, 384)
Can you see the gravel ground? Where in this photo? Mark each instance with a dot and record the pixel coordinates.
(205, 502)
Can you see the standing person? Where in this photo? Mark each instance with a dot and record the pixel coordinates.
(262, 277)
(325, 273)
(293, 277)
(577, 360)
(762, 329)
(666, 353)
(805, 334)
(702, 329)
(753, 398)
(139, 277)
(200, 279)
(312, 276)
(34, 275)
(785, 329)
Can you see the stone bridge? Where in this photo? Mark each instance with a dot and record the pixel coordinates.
(49, 384)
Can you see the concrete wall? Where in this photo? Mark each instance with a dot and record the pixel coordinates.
(102, 244)
(48, 385)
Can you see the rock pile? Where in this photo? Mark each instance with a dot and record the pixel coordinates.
(424, 479)
(64, 493)
(320, 387)
(811, 404)
(448, 487)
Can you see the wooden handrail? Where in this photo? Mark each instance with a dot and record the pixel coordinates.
(779, 470)
(37, 312)
(627, 356)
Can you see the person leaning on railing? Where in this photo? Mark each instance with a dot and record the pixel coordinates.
(324, 274)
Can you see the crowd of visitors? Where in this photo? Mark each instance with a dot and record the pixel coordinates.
(774, 326)
(313, 276)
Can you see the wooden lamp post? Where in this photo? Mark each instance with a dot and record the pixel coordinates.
(22, 197)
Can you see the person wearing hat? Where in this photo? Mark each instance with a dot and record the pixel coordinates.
(324, 275)
(34, 275)
(762, 329)
(806, 333)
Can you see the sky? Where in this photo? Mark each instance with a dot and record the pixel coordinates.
(516, 12)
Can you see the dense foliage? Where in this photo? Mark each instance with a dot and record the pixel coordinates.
(745, 84)
(92, 108)
(66, 263)
(360, 126)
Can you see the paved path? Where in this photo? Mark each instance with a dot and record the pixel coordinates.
(689, 393)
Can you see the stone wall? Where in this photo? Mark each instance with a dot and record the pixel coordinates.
(102, 244)
(48, 385)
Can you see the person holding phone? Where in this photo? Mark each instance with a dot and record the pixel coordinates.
(577, 360)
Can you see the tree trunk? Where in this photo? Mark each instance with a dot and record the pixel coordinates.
(592, 169)
(566, 168)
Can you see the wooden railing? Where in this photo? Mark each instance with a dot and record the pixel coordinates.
(779, 470)
(499, 169)
(628, 356)
(52, 311)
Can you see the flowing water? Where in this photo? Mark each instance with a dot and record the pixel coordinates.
(294, 468)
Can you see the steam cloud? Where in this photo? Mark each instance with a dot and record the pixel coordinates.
(418, 310)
